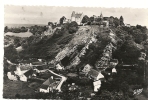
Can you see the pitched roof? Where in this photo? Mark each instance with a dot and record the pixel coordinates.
(48, 81)
(46, 84)
(78, 15)
(93, 73)
(29, 72)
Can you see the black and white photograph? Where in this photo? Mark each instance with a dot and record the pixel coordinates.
(75, 53)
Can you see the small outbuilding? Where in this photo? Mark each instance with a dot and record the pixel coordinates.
(11, 76)
(97, 85)
(26, 75)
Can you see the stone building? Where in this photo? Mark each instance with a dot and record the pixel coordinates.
(77, 17)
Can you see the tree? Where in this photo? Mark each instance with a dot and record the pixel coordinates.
(85, 19)
(142, 28)
(6, 66)
(17, 96)
(116, 21)
(62, 19)
(128, 52)
(121, 21)
(139, 36)
(50, 24)
(23, 29)
(6, 29)
(92, 19)
(16, 41)
(125, 88)
(73, 27)
(10, 53)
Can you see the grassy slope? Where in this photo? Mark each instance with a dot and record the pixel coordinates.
(11, 88)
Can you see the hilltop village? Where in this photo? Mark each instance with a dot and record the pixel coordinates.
(81, 58)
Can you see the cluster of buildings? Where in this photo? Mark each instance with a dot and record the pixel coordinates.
(54, 82)
(24, 73)
(77, 17)
(142, 56)
(95, 75)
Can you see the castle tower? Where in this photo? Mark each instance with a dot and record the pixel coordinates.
(77, 17)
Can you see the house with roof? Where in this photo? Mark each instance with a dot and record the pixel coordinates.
(53, 83)
(113, 62)
(29, 73)
(18, 71)
(77, 17)
(114, 70)
(23, 75)
(11, 76)
(127, 25)
(94, 74)
(97, 85)
(47, 85)
(142, 56)
(26, 75)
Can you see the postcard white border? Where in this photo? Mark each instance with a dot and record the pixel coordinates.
(75, 3)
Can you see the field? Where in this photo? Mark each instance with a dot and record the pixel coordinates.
(11, 88)
(22, 34)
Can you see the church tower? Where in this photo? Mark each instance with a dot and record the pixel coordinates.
(73, 16)
(101, 15)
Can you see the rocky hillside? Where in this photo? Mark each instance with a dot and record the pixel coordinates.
(74, 46)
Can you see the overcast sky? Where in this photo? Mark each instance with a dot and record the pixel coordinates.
(44, 14)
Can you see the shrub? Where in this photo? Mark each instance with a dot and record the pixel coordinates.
(17, 96)
(73, 27)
